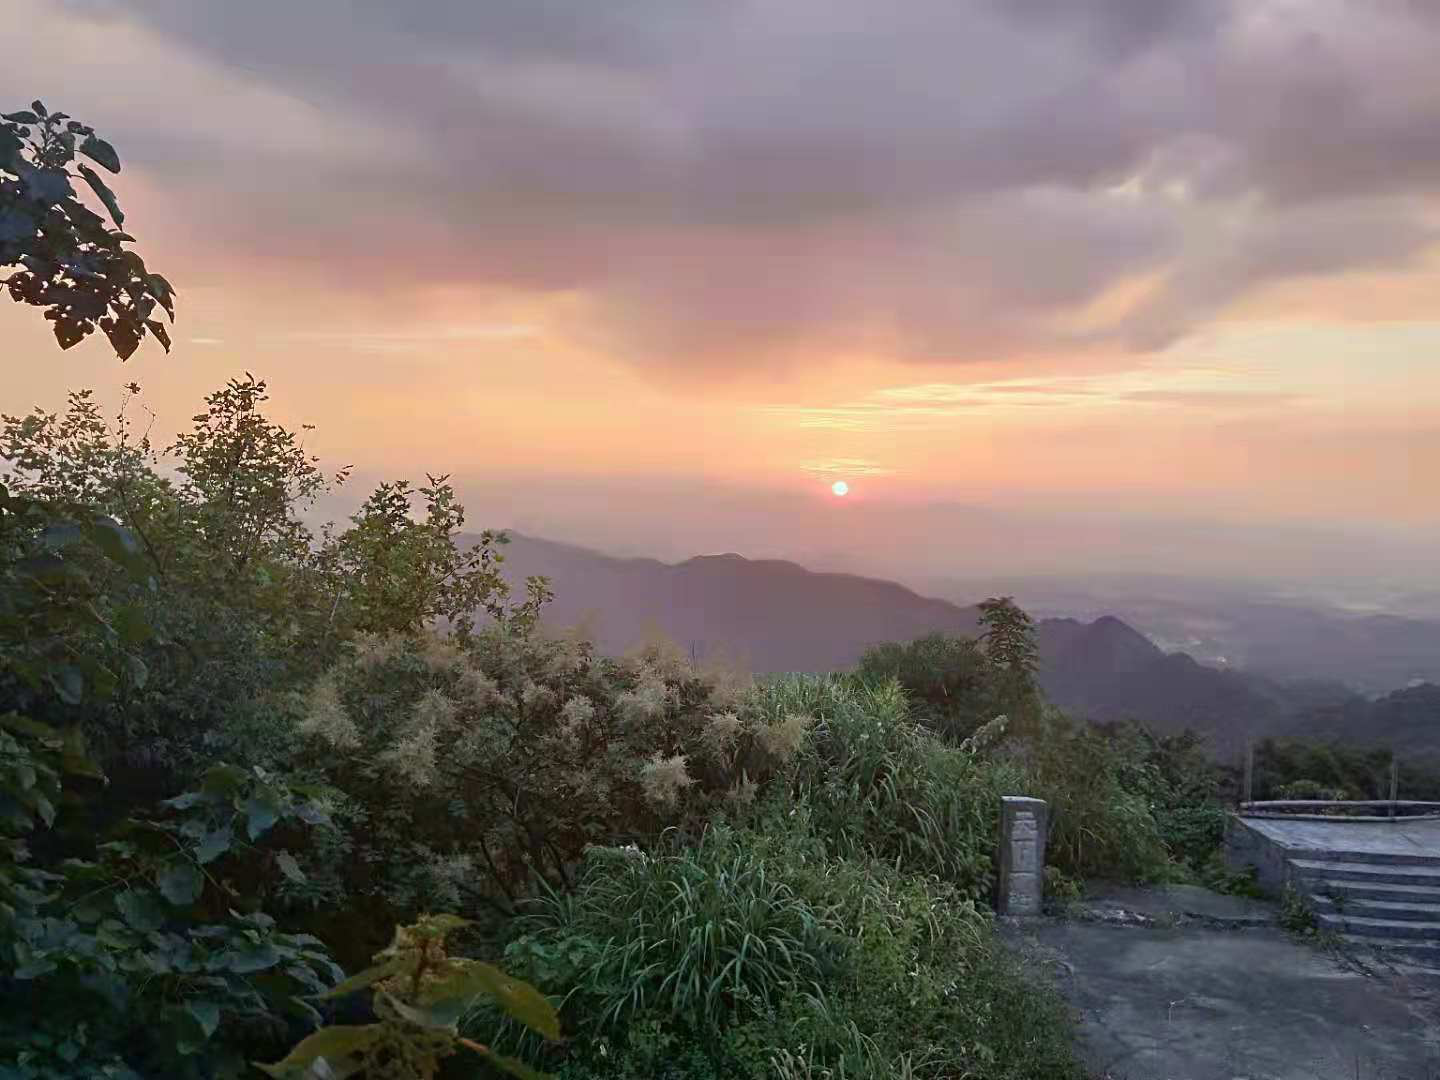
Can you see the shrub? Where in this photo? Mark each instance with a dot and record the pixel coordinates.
(948, 678)
(149, 958)
(474, 769)
(877, 785)
(709, 932)
(420, 992)
(757, 952)
(1102, 819)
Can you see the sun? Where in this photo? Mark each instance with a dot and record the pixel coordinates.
(840, 487)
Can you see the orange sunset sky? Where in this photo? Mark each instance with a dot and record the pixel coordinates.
(1150, 284)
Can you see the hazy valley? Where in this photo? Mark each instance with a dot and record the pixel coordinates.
(1261, 668)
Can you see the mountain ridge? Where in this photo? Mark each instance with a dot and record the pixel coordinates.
(773, 615)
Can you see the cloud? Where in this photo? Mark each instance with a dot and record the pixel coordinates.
(832, 468)
(726, 185)
(1234, 390)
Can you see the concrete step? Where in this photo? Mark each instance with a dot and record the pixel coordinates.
(1369, 926)
(1349, 907)
(1373, 890)
(1421, 954)
(1335, 869)
(1418, 857)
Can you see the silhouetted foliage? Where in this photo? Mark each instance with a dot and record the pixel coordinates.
(67, 259)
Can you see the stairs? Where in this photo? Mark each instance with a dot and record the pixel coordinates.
(1385, 900)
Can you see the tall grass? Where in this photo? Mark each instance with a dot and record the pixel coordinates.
(706, 933)
(880, 786)
(829, 927)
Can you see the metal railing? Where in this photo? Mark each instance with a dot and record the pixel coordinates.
(1341, 809)
(1332, 809)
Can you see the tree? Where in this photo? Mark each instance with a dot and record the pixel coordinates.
(394, 573)
(70, 261)
(1009, 636)
(950, 680)
(1010, 647)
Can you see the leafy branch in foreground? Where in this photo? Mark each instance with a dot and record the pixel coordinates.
(420, 994)
(71, 262)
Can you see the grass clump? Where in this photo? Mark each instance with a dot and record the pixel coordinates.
(757, 953)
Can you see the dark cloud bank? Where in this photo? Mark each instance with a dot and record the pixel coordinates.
(738, 182)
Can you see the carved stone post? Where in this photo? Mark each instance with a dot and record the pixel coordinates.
(1022, 855)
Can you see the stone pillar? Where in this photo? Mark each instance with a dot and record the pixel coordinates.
(1022, 855)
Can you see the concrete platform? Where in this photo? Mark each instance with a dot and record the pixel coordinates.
(1400, 838)
(1196, 1003)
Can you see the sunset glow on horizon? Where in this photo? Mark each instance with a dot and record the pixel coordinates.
(964, 255)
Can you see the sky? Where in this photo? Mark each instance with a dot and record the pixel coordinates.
(1052, 285)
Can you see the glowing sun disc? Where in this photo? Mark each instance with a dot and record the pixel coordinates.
(840, 487)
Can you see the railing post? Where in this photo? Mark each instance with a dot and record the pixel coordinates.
(1394, 782)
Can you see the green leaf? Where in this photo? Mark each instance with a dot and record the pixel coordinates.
(120, 545)
(24, 116)
(27, 726)
(312, 814)
(214, 844)
(370, 976)
(102, 190)
(289, 867)
(161, 334)
(251, 959)
(75, 757)
(36, 106)
(68, 332)
(437, 926)
(130, 623)
(206, 1014)
(42, 806)
(69, 684)
(223, 780)
(100, 151)
(515, 996)
(181, 882)
(262, 810)
(436, 1019)
(102, 680)
(334, 1045)
(138, 672)
(139, 908)
(164, 292)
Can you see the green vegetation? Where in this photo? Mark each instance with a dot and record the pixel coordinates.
(239, 753)
(236, 753)
(69, 261)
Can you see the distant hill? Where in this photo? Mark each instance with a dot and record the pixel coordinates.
(771, 616)
(1283, 632)
(1406, 719)
(1107, 670)
(768, 615)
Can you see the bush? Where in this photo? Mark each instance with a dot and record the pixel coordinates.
(149, 958)
(473, 770)
(879, 786)
(1102, 814)
(948, 679)
(709, 932)
(757, 953)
